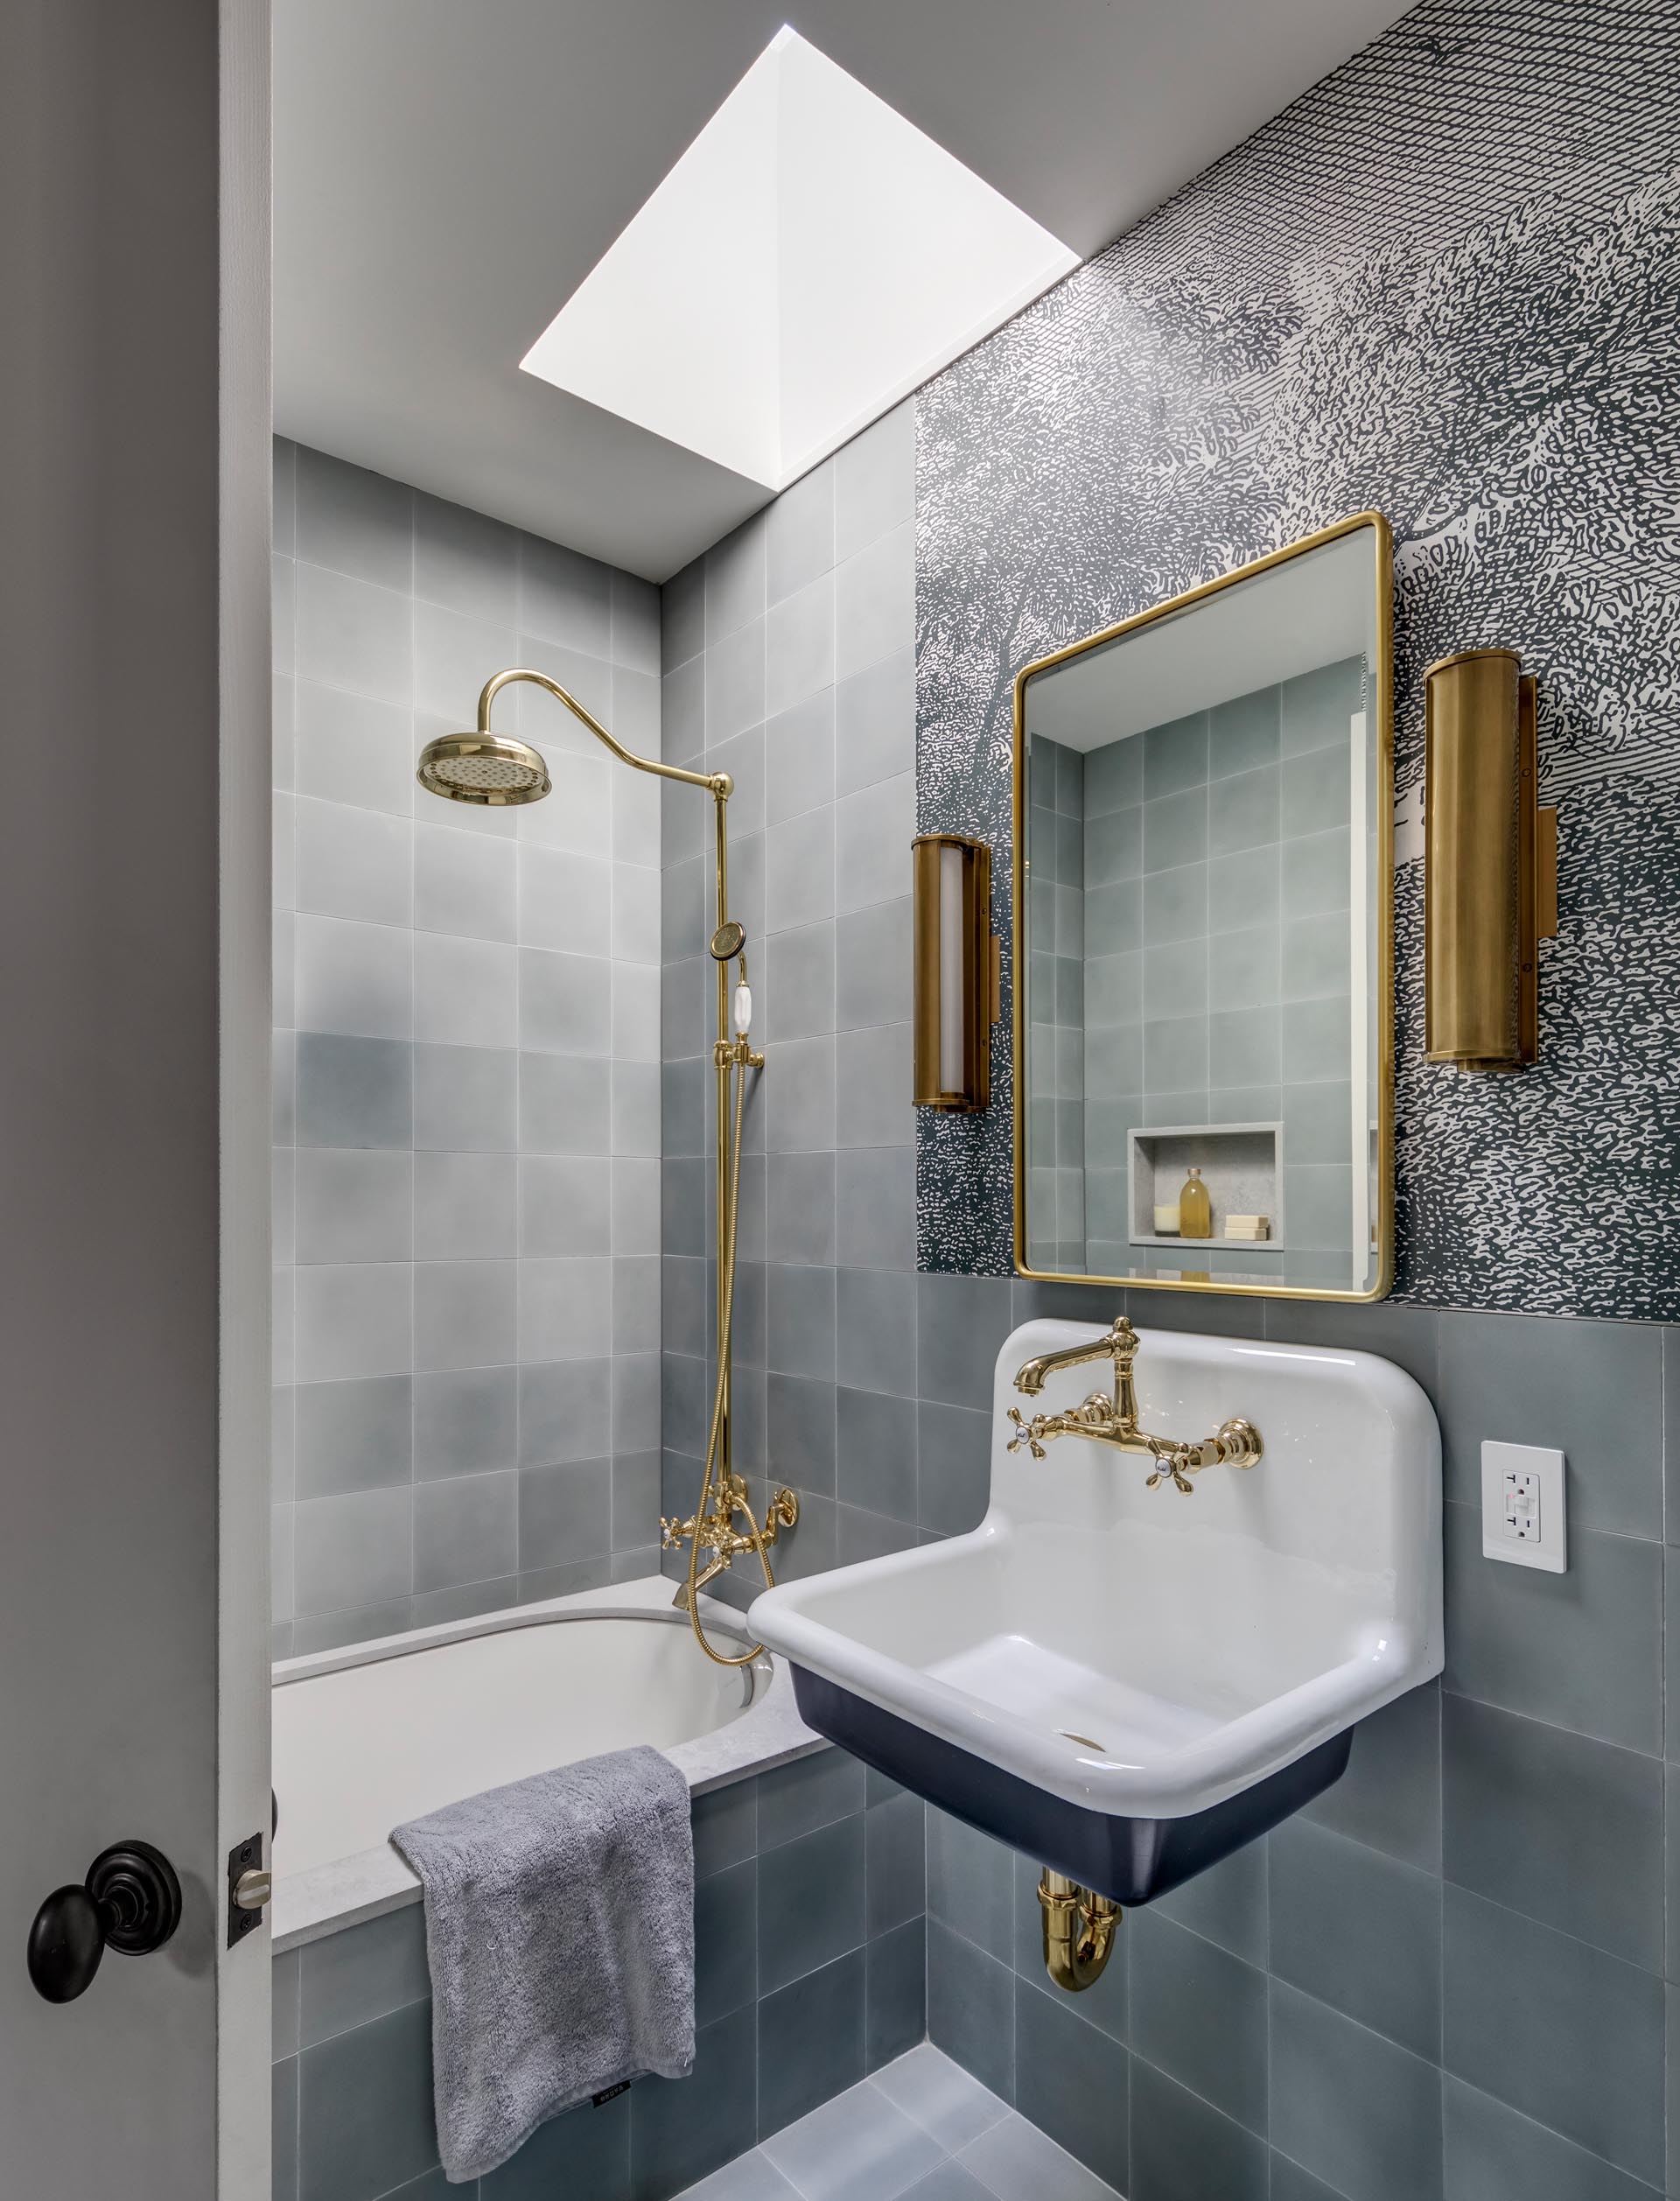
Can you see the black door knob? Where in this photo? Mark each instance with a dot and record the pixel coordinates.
(130, 1901)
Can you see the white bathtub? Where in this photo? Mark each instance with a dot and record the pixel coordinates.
(367, 1737)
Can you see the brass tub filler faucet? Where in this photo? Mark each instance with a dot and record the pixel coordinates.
(1113, 1420)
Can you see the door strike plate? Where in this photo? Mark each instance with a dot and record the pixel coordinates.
(249, 1886)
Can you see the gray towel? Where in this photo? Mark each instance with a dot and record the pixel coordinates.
(560, 1939)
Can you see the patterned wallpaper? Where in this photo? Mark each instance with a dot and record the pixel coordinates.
(1443, 284)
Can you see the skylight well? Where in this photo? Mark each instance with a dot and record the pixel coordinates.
(810, 258)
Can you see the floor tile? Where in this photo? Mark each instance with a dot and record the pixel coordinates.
(940, 2096)
(752, 2177)
(858, 2147)
(949, 2183)
(1016, 2162)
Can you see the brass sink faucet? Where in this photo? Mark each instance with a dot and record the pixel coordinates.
(1114, 1420)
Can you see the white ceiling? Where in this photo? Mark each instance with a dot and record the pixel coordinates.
(448, 172)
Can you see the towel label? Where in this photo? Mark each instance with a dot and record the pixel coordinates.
(609, 2093)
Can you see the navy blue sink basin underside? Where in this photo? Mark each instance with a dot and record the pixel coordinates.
(1131, 1860)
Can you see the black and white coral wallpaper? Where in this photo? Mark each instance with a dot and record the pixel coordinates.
(1444, 283)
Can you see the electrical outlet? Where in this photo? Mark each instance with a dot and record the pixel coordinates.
(1522, 1517)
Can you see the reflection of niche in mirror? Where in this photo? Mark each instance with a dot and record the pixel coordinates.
(1218, 958)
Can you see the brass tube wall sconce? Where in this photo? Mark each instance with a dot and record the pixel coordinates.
(958, 972)
(1491, 863)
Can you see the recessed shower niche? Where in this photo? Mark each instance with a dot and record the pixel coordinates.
(1203, 935)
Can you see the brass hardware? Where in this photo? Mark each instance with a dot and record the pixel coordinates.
(482, 766)
(1113, 1421)
(1118, 1343)
(1382, 796)
(1079, 1928)
(1491, 863)
(723, 1495)
(715, 1532)
(958, 972)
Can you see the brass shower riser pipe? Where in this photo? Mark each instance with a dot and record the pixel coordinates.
(484, 767)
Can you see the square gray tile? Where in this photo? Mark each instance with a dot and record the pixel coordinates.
(1570, 2036)
(1532, 1814)
(1360, 2112)
(1360, 1931)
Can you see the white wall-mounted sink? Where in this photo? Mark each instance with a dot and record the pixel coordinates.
(1129, 1682)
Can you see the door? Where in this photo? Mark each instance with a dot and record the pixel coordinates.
(133, 680)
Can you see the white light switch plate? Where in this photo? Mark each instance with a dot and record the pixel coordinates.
(1523, 1516)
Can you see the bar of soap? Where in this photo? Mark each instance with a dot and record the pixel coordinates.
(1166, 1221)
(1247, 1226)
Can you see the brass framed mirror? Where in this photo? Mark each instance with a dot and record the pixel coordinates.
(1204, 935)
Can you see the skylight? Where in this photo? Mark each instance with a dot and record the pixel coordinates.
(811, 257)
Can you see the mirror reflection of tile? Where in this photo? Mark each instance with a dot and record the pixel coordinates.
(1190, 957)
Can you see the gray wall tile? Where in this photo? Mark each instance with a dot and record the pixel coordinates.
(362, 1973)
(1390, 1797)
(810, 1901)
(1199, 2014)
(681, 2128)
(875, 1331)
(895, 1986)
(799, 746)
(1570, 2036)
(1495, 2154)
(1183, 2149)
(365, 2109)
(1579, 1648)
(971, 1884)
(1531, 1816)
(1356, 2110)
(810, 2042)
(971, 2008)
(1594, 1388)
(402, 600)
(1360, 1931)
(1228, 1903)
(799, 533)
(352, 1436)
(1072, 2082)
(875, 1189)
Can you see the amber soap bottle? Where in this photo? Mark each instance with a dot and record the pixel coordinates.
(1195, 1209)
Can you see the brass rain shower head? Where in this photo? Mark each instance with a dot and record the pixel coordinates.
(728, 941)
(483, 767)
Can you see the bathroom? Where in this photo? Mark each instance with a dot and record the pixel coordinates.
(979, 508)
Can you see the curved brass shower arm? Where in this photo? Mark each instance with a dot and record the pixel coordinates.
(717, 783)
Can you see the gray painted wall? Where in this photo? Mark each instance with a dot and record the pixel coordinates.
(467, 1036)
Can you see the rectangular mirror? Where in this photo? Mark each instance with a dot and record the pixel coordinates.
(1204, 1071)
